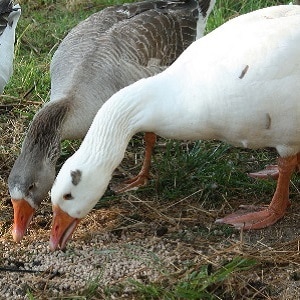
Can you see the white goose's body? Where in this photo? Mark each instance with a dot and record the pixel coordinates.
(9, 16)
(248, 99)
(245, 92)
(106, 52)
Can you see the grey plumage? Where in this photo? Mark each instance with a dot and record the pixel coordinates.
(108, 51)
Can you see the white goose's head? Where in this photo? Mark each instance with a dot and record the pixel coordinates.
(76, 190)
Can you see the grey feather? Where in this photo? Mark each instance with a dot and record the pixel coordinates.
(108, 51)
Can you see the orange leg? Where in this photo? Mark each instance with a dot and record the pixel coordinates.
(260, 217)
(142, 178)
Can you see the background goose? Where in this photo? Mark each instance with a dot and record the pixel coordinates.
(245, 93)
(108, 51)
(9, 16)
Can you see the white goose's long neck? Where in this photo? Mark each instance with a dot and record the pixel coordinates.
(116, 122)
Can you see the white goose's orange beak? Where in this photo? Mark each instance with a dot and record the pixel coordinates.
(63, 225)
(23, 213)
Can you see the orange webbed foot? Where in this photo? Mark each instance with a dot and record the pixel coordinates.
(257, 218)
(134, 183)
(253, 217)
(270, 171)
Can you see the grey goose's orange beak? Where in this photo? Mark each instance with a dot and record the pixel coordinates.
(23, 213)
(63, 225)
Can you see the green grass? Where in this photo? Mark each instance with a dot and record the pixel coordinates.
(199, 284)
(216, 168)
(180, 169)
(227, 9)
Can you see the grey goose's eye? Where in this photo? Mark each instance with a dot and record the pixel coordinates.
(31, 187)
(68, 196)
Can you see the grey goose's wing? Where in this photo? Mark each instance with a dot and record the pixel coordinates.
(124, 43)
(155, 37)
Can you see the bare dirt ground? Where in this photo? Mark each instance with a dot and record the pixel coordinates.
(145, 238)
(138, 239)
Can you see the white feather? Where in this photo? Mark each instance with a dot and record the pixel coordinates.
(239, 84)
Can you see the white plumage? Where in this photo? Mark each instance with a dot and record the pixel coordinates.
(9, 16)
(239, 84)
(104, 53)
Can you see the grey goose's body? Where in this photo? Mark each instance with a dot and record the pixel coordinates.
(108, 51)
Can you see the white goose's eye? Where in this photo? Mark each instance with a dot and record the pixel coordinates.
(68, 196)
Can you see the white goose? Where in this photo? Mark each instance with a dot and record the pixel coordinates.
(9, 16)
(245, 93)
(108, 51)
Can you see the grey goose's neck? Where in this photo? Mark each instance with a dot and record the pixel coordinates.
(44, 133)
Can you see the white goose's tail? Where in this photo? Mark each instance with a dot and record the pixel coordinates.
(9, 16)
